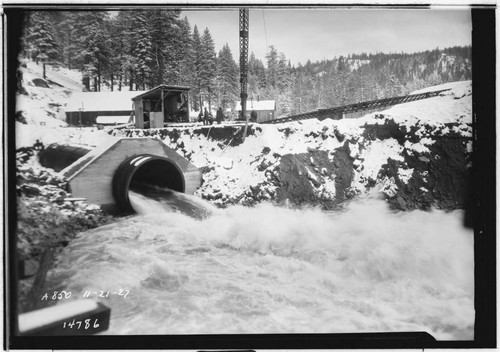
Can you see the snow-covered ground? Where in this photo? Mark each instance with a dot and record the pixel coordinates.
(44, 108)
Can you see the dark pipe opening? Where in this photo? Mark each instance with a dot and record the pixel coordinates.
(140, 172)
(59, 156)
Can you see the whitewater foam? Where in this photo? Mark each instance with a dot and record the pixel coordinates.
(270, 269)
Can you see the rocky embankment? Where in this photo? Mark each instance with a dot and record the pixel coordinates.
(415, 155)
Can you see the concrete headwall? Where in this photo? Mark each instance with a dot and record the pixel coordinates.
(92, 176)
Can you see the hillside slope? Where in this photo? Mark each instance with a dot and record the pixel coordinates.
(40, 109)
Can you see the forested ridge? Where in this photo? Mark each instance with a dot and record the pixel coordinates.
(140, 49)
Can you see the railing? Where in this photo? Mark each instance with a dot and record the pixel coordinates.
(339, 111)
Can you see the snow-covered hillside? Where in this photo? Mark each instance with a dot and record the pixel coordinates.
(43, 107)
(341, 158)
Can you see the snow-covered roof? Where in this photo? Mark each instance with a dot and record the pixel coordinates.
(163, 87)
(102, 101)
(258, 105)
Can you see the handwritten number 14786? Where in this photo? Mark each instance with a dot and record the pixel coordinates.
(87, 324)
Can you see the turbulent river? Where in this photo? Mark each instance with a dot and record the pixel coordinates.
(185, 267)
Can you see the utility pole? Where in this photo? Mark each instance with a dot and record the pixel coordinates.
(244, 65)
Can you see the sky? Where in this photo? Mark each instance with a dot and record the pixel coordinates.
(318, 34)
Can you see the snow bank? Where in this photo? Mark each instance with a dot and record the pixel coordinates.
(27, 135)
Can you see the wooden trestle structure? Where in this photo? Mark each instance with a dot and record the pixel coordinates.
(339, 112)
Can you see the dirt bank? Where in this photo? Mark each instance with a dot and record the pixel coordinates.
(412, 166)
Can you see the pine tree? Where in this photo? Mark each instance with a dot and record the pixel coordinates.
(137, 48)
(283, 78)
(97, 51)
(198, 68)
(175, 46)
(66, 38)
(165, 46)
(342, 66)
(434, 79)
(393, 86)
(284, 81)
(39, 37)
(91, 44)
(118, 49)
(227, 78)
(120, 62)
(208, 65)
(272, 67)
(256, 77)
(142, 50)
(186, 64)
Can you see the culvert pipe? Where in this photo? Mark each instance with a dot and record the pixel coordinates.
(145, 171)
(58, 156)
(106, 174)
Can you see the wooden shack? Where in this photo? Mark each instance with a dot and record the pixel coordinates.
(264, 108)
(85, 108)
(161, 104)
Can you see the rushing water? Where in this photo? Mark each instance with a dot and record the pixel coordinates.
(276, 270)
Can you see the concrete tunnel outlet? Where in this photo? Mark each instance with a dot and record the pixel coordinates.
(138, 173)
(105, 175)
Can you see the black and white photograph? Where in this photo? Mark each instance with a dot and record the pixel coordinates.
(249, 171)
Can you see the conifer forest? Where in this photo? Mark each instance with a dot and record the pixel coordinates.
(141, 49)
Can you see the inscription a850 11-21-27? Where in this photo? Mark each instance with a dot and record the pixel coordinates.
(61, 295)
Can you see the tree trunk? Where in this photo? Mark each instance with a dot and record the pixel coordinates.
(131, 81)
(98, 77)
(86, 83)
(143, 80)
